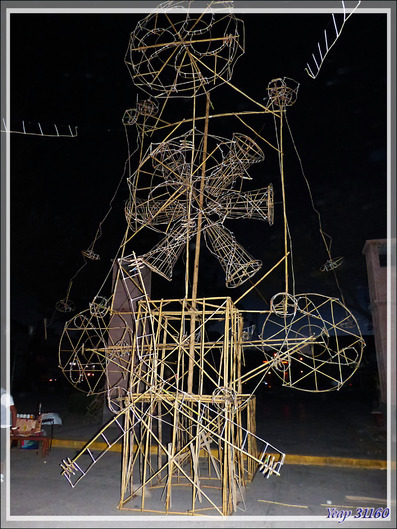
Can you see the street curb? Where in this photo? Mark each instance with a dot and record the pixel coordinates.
(290, 459)
(336, 462)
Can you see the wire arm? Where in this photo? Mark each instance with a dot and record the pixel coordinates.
(318, 56)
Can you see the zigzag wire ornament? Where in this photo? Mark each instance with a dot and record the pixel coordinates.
(327, 42)
(28, 128)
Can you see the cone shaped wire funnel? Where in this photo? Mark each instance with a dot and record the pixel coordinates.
(164, 255)
(237, 263)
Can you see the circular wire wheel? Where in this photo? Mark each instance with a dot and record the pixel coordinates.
(310, 347)
(185, 57)
(65, 305)
(94, 351)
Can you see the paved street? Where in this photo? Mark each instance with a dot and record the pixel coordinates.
(301, 492)
(316, 434)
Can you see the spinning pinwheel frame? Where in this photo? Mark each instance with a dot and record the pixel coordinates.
(178, 204)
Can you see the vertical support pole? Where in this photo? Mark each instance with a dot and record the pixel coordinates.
(197, 250)
(282, 109)
(201, 200)
(126, 476)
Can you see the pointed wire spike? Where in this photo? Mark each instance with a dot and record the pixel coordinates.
(336, 27)
(344, 11)
(319, 50)
(326, 40)
(309, 71)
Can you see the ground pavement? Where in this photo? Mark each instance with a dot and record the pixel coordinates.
(336, 463)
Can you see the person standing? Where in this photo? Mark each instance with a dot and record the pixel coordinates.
(8, 419)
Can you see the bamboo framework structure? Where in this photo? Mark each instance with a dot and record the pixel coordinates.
(174, 370)
(175, 435)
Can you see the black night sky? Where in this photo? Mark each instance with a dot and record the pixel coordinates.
(69, 69)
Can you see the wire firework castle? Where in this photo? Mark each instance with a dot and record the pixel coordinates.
(176, 391)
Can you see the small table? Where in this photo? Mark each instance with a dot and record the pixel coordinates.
(45, 448)
(29, 429)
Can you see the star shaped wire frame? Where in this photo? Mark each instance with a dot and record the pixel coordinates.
(174, 54)
(166, 195)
